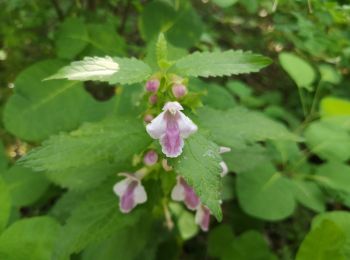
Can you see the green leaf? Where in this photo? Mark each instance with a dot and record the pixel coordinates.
(219, 240)
(298, 69)
(329, 141)
(239, 126)
(184, 221)
(85, 157)
(71, 38)
(334, 175)
(323, 243)
(225, 3)
(309, 195)
(250, 245)
(333, 106)
(199, 165)
(5, 204)
(161, 51)
(218, 64)
(39, 109)
(181, 24)
(25, 186)
(112, 70)
(3, 158)
(329, 74)
(96, 218)
(264, 193)
(29, 239)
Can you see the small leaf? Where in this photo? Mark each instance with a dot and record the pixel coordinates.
(161, 50)
(218, 64)
(29, 239)
(264, 193)
(332, 106)
(334, 175)
(298, 69)
(199, 165)
(219, 240)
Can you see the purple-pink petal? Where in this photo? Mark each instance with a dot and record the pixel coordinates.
(127, 200)
(191, 199)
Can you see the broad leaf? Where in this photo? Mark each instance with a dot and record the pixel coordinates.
(111, 70)
(199, 165)
(88, 155)
(29, 239)
(334, 175)
(217, 64)
(332, 106)
(39, 108)
(264, 193)
(239, 126)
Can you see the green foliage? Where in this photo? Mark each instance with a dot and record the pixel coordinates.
(39, 108)
(25, 185)
(107, 69)
(5, 204)
(299, 70)
(199, 166)
(238, 126)
(31, 239)
(220, 64)
(91, 153)
(265, 193)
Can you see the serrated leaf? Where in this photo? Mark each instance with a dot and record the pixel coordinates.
(30, 239)
(96, 218)
(25, 186)
(218, 64)
(103, 147)
(239, 126)
(112, 70)
(5, 204)
(39, 109)
(199, 165)
(264, 193)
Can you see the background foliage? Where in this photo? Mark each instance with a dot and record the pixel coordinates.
(288, 192)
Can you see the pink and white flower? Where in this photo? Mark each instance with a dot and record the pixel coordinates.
(171, 127)
(130, 192)
(152, 85)
(202, 217)
(150, 158)
(184, 192)
(179, 90)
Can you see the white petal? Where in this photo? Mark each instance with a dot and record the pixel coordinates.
(140, 194)
(120, 187)
(224, 169)
(199, 215)
(187, 127)
(156, 129)
(224, 149)
(178, 192)
(172, 107)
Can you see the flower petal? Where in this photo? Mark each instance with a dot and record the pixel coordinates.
(156, 129)
(172, 145)
(224, 149)
(178, 192)
(140, 194)
(186, 126)
(202, 217)
(120, 187)
(127, 201)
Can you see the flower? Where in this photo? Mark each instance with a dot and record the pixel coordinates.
(202, 217)
(166, 166)
(184, 192)
(130, 192)
(171, 127)
(152, 85)
(179, 90)
(148, 118)
(153, 99)
(223, 165)
(150, 158)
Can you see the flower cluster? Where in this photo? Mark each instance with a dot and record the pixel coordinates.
(170, 127)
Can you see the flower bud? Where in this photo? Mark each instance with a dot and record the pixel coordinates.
(166, 166)
(152, 85)
(153, 99)
(148, 118)
(150, 158)
(179, 90)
